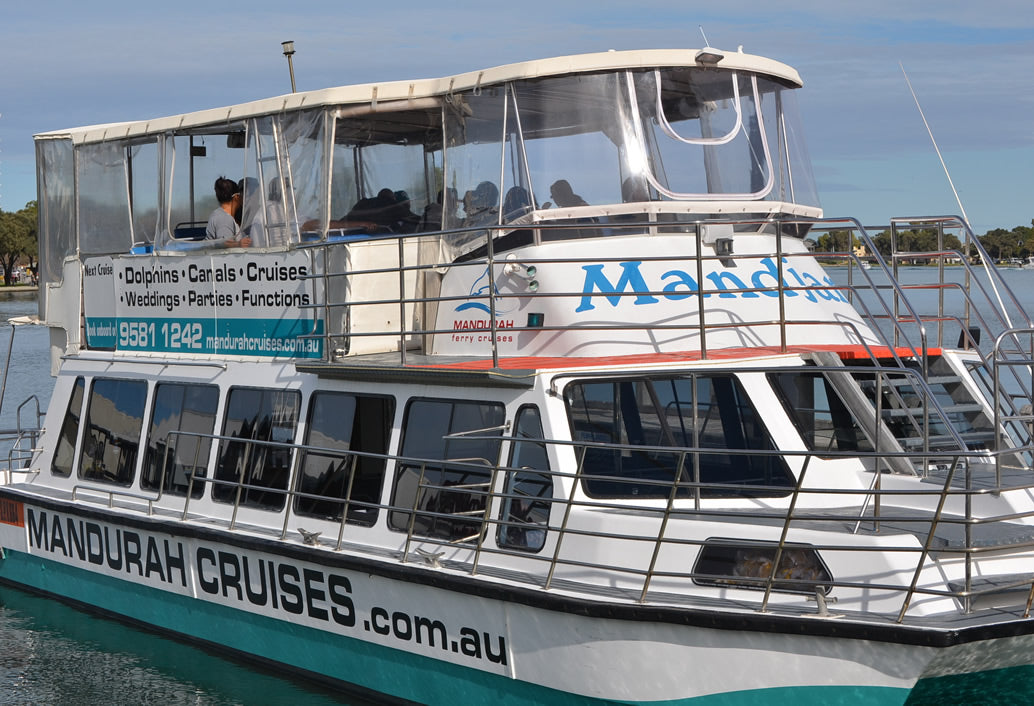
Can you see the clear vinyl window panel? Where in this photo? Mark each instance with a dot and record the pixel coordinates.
(387, 172)
(703, 133)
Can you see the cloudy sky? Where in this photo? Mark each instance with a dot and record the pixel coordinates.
(70, 63)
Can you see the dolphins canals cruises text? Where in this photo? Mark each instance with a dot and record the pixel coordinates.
(242, 304)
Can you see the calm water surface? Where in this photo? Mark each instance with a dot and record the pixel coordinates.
(53, 654)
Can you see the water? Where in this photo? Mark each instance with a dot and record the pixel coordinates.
(53, 654)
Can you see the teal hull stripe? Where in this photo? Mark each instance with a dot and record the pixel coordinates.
(396, 672)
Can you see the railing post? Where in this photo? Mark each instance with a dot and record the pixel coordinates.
(700, 291)
(575, 480)
(486, 518)
(782, 536)
(412, 516)
(348, 501)
(240, 484)
(929, 539)
(402, 299)
(664, 525)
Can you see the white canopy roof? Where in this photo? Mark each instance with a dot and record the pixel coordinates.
(383, 95)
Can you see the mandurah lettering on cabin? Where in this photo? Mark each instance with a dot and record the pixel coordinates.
(675, 285)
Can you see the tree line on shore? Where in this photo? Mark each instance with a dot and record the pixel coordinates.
(999, 243)
(19, 240)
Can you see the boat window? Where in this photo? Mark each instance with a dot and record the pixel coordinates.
(706, 411)
(703, 133)
(727, 563)
(105, 217)
(172, 458)
(446, 479)
(527, 500)
(56, 170)
(573, 132)
(144, 188)
(64, 453)
(719, 132)
(358, 428)
(192, 164)
(387, 171)
(268, 209)
(257, 471)
(820, 415)
(475, 125)
(111, 438)
(303, 173)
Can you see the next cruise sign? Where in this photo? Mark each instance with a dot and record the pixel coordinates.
(250, 304)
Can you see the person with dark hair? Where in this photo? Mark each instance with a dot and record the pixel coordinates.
(222, 226)
(516, 203)
(481, 205)
(403, 220)
(563, 195)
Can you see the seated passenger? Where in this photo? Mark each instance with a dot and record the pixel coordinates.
(563, 195)
(516, 203)
(481, 205)
(403, 220)
(442, 213)
(368, 215)
(222, 227)
(634, 189)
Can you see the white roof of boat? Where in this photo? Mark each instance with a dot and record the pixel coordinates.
(376, 93)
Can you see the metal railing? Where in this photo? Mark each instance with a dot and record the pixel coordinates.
(619, 556)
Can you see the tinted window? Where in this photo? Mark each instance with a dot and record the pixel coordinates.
(64, 454)
(819, 414)
(112, 434)
(526, 504)
(331, 481)
(179, 408)
(446, 479)
(686, 412)
(254, 416)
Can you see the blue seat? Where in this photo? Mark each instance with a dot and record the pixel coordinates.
(190, 231)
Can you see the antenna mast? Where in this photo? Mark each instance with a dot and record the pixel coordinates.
(936, 149)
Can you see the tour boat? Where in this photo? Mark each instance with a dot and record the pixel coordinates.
(524, 385)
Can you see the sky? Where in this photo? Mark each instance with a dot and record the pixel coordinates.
(72, 63)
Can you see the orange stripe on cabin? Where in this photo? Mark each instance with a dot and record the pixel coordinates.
(846, 352)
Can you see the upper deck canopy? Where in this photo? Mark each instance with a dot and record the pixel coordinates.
(374, 93)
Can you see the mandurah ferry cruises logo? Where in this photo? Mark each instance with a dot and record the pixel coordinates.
(475, 315)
